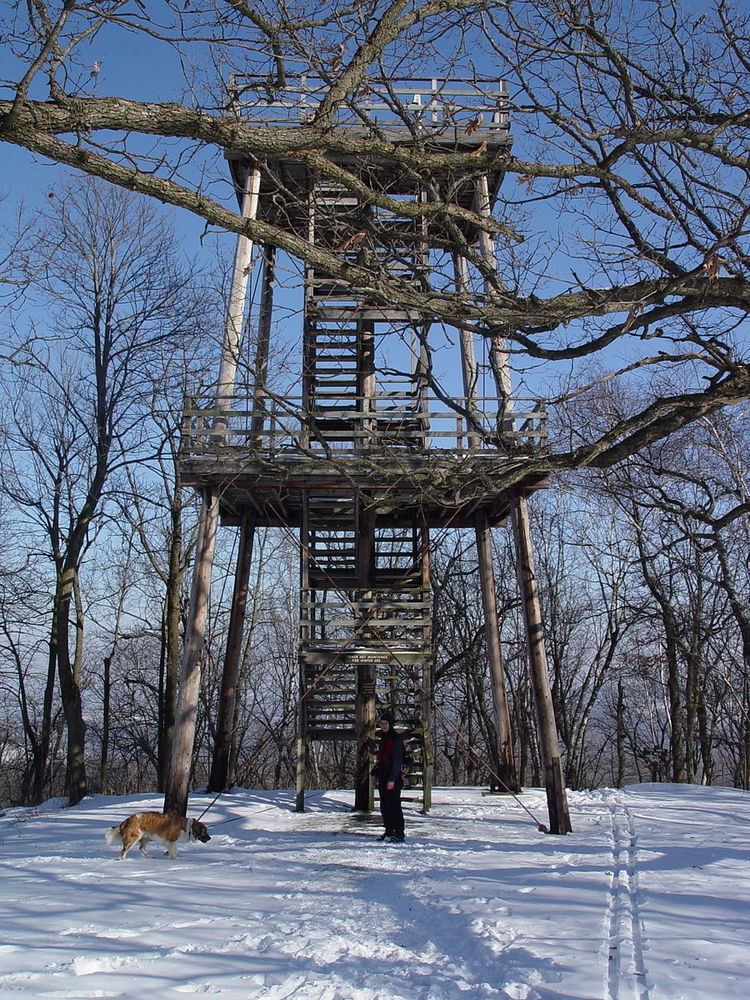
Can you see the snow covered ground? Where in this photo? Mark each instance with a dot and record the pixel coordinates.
(648, 899)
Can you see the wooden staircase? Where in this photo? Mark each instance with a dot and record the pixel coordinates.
(365, 638)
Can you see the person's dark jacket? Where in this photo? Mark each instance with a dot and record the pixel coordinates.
(389, 759)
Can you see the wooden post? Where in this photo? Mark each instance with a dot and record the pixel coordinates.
(178, 780)
(557, 803)
(302, 741)
(230, 350)
(364, 795)
(304, 587)
(220, 764)
(426, 675)
(503, 739)
(556, 798)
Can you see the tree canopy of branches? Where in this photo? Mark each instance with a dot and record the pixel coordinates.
(621, 227)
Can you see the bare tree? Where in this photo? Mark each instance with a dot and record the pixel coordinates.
(119, 302)
(630, 129)
(620, 231)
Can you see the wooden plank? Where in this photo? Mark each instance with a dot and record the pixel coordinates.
(326, 733)
(375, 624)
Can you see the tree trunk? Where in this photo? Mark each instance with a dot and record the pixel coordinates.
(40, 764)
(104, 764)
(503, 740)
(620, 780)
(705, 738)
(76, 782)
(676, 706)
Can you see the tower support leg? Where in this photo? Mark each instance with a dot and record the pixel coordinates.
(304, 634)
(557, 802)
(427, 676)
(178, 781)
(302, 744)
(230, 678)
(503, 740)
(427, 752)
(364, 798)
(365, 720)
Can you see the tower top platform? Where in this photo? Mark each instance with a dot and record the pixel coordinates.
(379, 122)
(448, 112)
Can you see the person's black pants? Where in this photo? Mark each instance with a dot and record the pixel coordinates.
(390, 810)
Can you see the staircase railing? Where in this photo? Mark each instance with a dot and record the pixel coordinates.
(357, 424)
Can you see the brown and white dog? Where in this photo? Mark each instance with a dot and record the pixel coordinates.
(170, 829)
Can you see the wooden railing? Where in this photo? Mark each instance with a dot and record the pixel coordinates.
(463, 108)
(366, 425)
(366, 620)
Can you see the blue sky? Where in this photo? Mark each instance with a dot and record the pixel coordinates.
(136, 66)
(132, 66)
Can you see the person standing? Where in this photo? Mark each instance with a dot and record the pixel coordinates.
(388, 768)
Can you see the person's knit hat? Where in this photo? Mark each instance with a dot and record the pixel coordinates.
(388, 716)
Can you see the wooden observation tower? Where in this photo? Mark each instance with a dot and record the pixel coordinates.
(371, 452)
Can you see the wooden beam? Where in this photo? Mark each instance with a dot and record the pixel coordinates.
(220, 765)
(503, 736)
(178, 781)
(231, 346)
(176, 797)
(557, 802)
(556, 798)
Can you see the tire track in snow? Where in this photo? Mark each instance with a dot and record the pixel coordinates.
(626, 972)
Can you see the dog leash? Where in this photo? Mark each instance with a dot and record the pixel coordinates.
(210, 804)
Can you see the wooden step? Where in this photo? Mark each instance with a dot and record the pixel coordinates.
(323, 523)
(331, 380)
(343, 683)
(329, 518)
(338, 361)
(331, 504)
(334, 335)
(328, 395)
(334, 355)
(333, 558)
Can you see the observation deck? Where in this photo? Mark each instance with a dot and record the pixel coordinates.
(442, 464)
(385, 134)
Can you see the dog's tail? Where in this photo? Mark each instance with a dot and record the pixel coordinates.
(111, 834)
